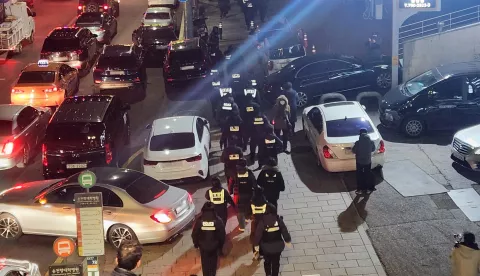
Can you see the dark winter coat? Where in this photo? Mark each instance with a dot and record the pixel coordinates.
(271, 243)
(225, 158)
(209, 240)
(221, 209)
(363, 149)
(122, 272)
(264, 152)
(244, 190)
(271, 180)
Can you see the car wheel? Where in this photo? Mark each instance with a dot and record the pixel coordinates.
(302, 99)
(120, 233)
(413, 127)
(384, 81)
(10, 229)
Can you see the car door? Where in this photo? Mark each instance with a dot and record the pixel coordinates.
(27, 127)
(112, 205)
(344, 76)
(469, 109)
(315, 126)
(312, 78)
(443, 98)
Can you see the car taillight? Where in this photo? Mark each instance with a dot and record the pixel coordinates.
(8, 148)
(149, 163)
(270, 65)
(51, 89)
(44, 155)
(190, 199)
(327, 153)
(17, 91)
(98, 70)
(161, 217)
(196, 158)
(105, 7)
(170, 26)
(137, 79)
(381, 147)
(80, 7)
(108, 154)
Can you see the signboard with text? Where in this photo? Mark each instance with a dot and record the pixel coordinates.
(420, 5)
(65, 270)
(89, 213)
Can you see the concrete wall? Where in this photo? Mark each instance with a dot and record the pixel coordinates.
(458, 45)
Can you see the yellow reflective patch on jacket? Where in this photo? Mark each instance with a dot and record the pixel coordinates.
(258, 121)
(258, 209)
(249, 108)
(217, 198)
(208, 225)
(242, 175)
(234, 156)
(234, 128)
(274, 228)
(269, 141)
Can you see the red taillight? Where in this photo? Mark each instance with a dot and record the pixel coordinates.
(80, 8)
(149, 163)
(137, 79)
(105, 7)
(8, 148)
(51, 89)
(44, 155)
(196, 158)
(161, 217)
(327, 153)
(108, 154)
(381, 148)
(270, 65)
(190, 199)
(17, 91)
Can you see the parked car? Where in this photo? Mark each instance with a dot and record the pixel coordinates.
(333, 128)
(163, 3)
(22, 129)
(101, 24)
(320, 74)
(178, 148)
(85, 132)
(135, 207)
(45, 84)
(11, 267)
(159, 17)
(74, 46)
(154, 40)
(466, 148)
(444, 98)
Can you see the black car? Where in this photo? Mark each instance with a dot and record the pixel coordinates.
(74, 46)
(111, 7)
(154, 40)
(186, 60)
(103, 25)
(444, 98)
(120, 66)
(85, 132)
(320, 74)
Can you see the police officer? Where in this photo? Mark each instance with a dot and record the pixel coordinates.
(242, 190)
(269, 147)
(271, 180)
(257, 131)
(248, 12)
(231, 156)
(262, 8)
(226, 108)
(258, 207)
(209, 235)
(224, 6)
(271, 236)
(233, 127)
(220, 199)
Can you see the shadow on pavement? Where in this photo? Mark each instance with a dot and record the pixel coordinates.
(354, 215)
(441, 138)
(467, 173)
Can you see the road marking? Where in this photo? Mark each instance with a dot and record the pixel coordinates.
(131, 158)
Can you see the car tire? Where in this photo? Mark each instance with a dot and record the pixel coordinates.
(302, 99)
(26, 157)
(383, 81)
(119, 233)
(10, 228)
(413, 127)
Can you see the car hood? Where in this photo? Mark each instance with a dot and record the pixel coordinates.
(470, 135)
(394, 98)
(169, 199)
(171, 155)
(25, 192)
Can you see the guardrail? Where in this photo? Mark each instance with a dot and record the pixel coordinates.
(438, 24)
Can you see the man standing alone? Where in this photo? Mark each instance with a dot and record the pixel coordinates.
(363, 149)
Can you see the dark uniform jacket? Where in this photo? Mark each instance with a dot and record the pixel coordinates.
(122, 272)
(243, 187)
(363, 149)
(230, 156)
(208, 232)
(271, 234)
(233, 126)
(226, 107)
(271, 180)
(270, 146)
(220, 202)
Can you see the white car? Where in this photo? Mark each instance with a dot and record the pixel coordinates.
(163, 3)
(158, 17)
(333, 128)
(466, 147)
(177, 149)
(10, 267)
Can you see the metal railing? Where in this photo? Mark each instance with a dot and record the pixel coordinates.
(438, 24)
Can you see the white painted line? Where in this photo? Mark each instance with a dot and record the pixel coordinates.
(131, 158)
(468, 200)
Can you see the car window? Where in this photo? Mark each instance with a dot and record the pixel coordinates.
(315, 117)
(26, 117)
(157, 15)
(335, 65)
(64, 195)
(109, 198)
(60, 44)
(348, 127)
(37, 77)
(200, 126)
(146, 189)
(172, 141)
(473, 92)
(448, 89)
(313, 68)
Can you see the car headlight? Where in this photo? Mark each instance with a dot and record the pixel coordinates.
(477, 151)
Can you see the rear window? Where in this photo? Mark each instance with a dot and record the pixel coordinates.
(120, 62)
(6, 128)
(82, 112)
(172, 141)
(60, 45)
(160, 33)
(146, 189)
(90, 19)
(157, 15)
(287, 52)
(183, 57)
(37, 77)
(347, 127)
(74, 136)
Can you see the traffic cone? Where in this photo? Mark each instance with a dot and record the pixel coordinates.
(220, 30)
(305, 40)
(314, 51)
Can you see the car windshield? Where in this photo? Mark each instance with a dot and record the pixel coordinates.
(348, 127)
(172, 141)
(146, 189)
(37, 77)
(90, 19)
(421, 82)
(60, 45)
(184, 57)
(5, 128)
(157, 15)
(119, 62)
(287, 52)
(159, 33)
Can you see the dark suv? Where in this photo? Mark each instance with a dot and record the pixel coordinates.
(111, 7)
(186, 60)
(120, 66)
(77, 47)
(85, 132)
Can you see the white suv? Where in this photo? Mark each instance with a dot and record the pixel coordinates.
(466, 147)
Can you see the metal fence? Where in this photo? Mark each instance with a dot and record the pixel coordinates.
(438, 24)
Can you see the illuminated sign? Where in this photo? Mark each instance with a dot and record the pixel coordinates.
(418, 4)
(42, 63)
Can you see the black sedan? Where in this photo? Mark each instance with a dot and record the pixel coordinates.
(153, 39)
(317, 75)
(99, 23)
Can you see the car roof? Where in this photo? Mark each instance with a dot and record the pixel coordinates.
(117, 50)
(460, 68)
(158, 10)
(52, 66)
(117, 177)
(185, 44)
(341, 110)
(88, 113)
(64, 32)
(178, 124)
(8, 111)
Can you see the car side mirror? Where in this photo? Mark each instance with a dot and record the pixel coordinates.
(34, 14)
(149, 126)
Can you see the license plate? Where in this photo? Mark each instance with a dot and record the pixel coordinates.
(187, 67)
(76, 166)
(236, 76)
(459, 155)
(118, 73)
(169, 164)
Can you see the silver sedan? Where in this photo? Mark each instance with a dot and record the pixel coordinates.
(135, 207)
